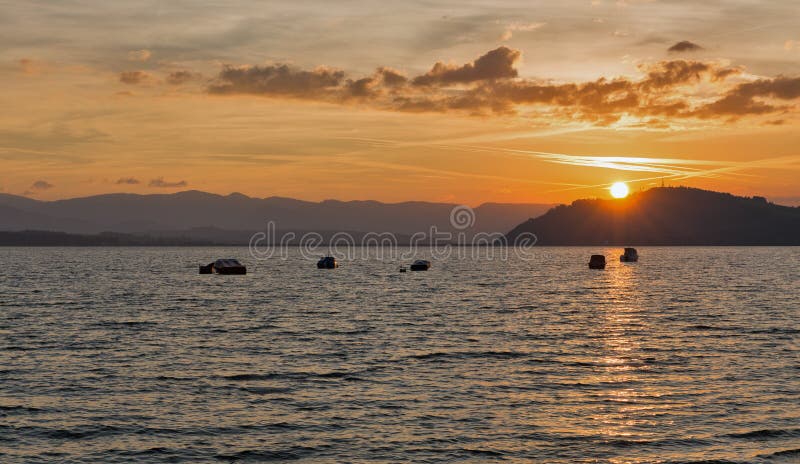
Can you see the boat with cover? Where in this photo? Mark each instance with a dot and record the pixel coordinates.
(597, 262)
(421, 265)
(328, 262)
(630, 256)
(229, 266)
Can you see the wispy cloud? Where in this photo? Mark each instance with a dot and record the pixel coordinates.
(159, 182)
(134, 77)
(139, 55)
(42, 185)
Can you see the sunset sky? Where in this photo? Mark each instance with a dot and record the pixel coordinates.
(458, 101)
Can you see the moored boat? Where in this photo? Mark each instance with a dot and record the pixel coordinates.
(597, 262)
(228, 266)
(420, 265)
(328, 262)
(630, 256)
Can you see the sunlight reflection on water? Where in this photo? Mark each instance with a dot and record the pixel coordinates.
(128, 355)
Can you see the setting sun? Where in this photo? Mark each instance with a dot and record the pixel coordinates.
(619, 190)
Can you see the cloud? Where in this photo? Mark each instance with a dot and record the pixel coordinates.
(664, 92)
(159, 182)
(747, 98)
(684, 46)
(42, 185)
(384, 80)
(127, 181)
(508, 33)
(276, 80)
(181, 77)
(139, 55)
(677, 72)
(31, 67)
(391, 77)
(496, 64)
(134, 77)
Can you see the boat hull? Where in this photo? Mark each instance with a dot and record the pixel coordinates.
(423, 266)
(597, 262)
(231, 270)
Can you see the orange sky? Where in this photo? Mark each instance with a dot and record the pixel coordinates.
(496, 101)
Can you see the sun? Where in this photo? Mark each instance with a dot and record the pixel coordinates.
(619, 190)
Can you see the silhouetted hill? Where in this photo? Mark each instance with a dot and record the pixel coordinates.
(185, 211)
(47, 238)
(667, 216)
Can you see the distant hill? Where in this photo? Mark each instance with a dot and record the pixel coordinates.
(228, 218)
(667, 216)
(46, 238)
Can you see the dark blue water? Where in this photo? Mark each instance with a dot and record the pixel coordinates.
(128, 355)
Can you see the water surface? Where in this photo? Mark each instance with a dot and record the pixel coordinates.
(127, 354)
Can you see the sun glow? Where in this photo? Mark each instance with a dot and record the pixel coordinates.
(619, 190)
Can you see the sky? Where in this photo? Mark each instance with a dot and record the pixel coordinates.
(460, 101)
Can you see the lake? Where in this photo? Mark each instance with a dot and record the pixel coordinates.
(127, 354)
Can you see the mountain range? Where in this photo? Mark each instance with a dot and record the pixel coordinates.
(667, 216)
(659, 216)
(234, 218)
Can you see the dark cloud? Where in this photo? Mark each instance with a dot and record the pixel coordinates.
(747, 98)
(785, 88)
(490, 85)
(134, 77)
(684, 46)
(382, 81)
(42, 185)
(277, 80)
(391, 77)
(161, 183)
(496, 64)
(676, 72)
(181, 77)
(128, 181)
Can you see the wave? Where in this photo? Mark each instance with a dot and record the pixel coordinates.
(77, 433)
(677, 442)
(766, 434)
(5, 410)
(470, 355)
(705, 461)
(293, 453)
(776, 330)
(346, 375)
(785, 453)
(125, 324)
(715, 328)
(266, 390)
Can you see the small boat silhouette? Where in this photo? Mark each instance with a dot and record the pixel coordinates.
(597, 262)
(228, 266)
(630, 256)
(421, 265)
(328, 262)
